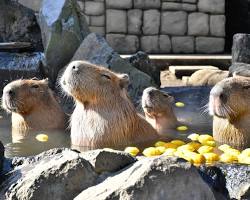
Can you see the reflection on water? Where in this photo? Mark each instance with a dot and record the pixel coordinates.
(191, 115)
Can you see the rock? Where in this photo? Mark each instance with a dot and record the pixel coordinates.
(212, 6)
(117, 21)
(141, 61)
(240, 69)
(94, 8)
(97, 29)
(96, 50)
(179, 6)
(61, 176)
(164, 44)
(237, 180)
(217, 25)
(149, 44)
(34, 5)
(174, 23)
(147, 4)
(1, 157)
(189, 1)
(151, 22)
(241, 48)
(152, 178)
(134, 21)
(209, 45)
(104, 160)
(198, 24)
(97, 20)
(207, 77)
(61, 20)
(183, 44)
(18, 24)
(124, 44)
(119, 4)
(22, 65)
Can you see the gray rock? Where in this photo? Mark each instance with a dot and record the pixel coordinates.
(119, 4)
(209, 45)
(152, 178)
(104, 160)
(60, 21)
(217, 25)
(94, 8)
(164, 44)
(61, 176)
(198, 24)
(240, 49)
(96, 50)
(183, 44)
(134, 21)
(18, 24)
(81, 5)
(172, 0)
(178, 6)
(97, 29)
(174, 23)
(240, 69)
(147, 4)
(141, 61)
(34, 5)
(149, 44)
(124, 44)
(117, 21)
(97, 20)
(1, 157)
(212, 6)
(151, 22)
(189, 1)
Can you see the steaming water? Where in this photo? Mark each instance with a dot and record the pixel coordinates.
(191, 115)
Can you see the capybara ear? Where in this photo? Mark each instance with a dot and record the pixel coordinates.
(124, 80)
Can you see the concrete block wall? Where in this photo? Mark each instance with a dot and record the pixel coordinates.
(158, 26)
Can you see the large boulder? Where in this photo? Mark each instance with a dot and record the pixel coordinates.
(18, 24)
(240, 69)
(141, 61)
(96, 50)
(53, 176)
(241, 48)
(152, 178)
(104, 160)
(63, 28)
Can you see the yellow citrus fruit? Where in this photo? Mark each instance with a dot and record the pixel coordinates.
(211, 143)
(132, 150)
(169, 151)
(227, 158)
(151, 151)
(182, 128)
(179, 104)
(223, 147)
(246, 152)
(204, 138)
(233, 152)
(193, 136)
(185, 148)
(160, 144)
(244, 159)
(42, 137)
(178, 142)
(195, 145)
(205, 149)
(211, 157)
(195, 157)
(170, 145)
(161, 149)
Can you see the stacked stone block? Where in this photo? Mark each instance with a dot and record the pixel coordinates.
(159, 26)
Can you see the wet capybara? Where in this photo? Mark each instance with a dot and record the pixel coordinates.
(104, 115)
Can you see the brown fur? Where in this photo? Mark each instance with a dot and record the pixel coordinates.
(104, 115)
(33, 106)
(229, 104)
(157, 106)
(208, 77)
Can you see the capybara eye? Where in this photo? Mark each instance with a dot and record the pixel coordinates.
(106, 76)
(35, 86)
(246, 87)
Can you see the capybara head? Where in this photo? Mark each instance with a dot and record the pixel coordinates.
(23, 96)
(230, 98)
(89, 83)
(156, 102)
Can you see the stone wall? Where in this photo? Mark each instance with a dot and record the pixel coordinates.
(158, 26)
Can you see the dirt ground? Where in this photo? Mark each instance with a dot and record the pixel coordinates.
(169, 80)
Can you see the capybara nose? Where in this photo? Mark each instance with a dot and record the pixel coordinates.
(75, 68)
